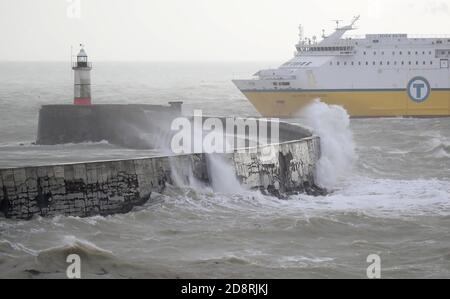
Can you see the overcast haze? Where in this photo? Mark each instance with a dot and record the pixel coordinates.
(196, 30)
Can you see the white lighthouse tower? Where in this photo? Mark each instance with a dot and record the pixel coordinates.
(82, 69)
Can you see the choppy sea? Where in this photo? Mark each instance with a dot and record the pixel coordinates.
(390, 180)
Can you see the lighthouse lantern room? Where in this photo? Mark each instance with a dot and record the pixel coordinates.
(82, 79)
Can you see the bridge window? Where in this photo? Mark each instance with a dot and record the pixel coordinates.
(431, 62)
(367, 63)
(374, 63)
(401, 53)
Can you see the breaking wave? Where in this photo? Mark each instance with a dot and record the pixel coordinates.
(439, 149)
(332, 124)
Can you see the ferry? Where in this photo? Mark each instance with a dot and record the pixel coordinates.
(377, 75)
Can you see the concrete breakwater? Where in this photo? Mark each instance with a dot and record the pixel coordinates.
(130, 126)
(109, 187)
(284, 166)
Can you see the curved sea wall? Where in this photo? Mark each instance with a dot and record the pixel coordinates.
(130, 126)
(109, 187)
(121, 125)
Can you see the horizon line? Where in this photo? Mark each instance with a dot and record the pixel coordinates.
(148, 61)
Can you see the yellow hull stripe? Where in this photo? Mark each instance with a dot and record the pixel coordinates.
(357, 103)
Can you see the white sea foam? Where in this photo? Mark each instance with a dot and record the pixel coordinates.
(332, 124)
(222, 175)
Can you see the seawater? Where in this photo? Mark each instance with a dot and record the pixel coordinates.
(390, 180)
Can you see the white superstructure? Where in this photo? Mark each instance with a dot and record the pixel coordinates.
(337, 68)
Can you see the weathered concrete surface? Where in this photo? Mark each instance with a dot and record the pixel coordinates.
(77, 190)
(86, 189)
(282, 169)
(104, 188)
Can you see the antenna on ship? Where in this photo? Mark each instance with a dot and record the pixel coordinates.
(337, 23)
(355, 19)
(300, 33)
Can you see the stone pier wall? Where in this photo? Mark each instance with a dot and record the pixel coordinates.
(109, 187)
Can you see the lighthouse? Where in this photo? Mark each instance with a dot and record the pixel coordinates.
(82, 79)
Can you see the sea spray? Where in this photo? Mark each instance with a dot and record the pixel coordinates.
(222, 175)
(183, 175)
(332, 124)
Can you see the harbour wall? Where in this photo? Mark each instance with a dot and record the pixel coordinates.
(121, 125)
(130, 126)
(110, 187)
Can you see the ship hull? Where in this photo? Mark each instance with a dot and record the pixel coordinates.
(361, 103)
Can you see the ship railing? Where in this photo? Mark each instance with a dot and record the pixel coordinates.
(326, 51)
(411, 36)
(278, 78)
(424, 36)
(343, 53)
(333, 47)
(339, 43)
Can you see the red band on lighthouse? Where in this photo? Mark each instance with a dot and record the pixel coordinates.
(82, 102)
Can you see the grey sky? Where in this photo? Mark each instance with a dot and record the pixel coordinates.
(196, 30)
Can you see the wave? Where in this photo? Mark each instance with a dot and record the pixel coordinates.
(53, 260)
(439, 149)
(260, 260)
(332, 124)
(72, 245)
(95, 262)
(359, 198)
(13, 249)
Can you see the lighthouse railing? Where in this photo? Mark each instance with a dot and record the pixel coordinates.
(82, 64)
